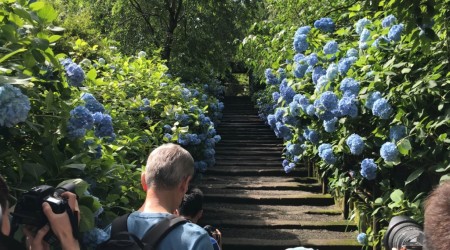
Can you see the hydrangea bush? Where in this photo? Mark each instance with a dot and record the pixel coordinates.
(359, 101)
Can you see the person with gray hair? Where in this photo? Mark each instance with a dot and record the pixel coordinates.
(165, 180)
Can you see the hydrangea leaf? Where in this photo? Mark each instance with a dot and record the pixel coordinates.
(404, 146)
(414, 175)
(92, 74)
(397, 196)
(87, 220)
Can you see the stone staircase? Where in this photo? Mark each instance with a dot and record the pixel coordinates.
(254, 203)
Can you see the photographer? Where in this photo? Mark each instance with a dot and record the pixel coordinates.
(191, 208)
(437, 218)
(59, 224)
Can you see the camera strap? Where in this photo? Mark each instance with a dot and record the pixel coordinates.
(73, 218)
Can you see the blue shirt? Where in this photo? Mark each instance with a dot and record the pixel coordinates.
(188, 236)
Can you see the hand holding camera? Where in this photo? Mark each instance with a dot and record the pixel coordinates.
(215, 233)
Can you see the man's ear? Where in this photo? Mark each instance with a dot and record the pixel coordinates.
(143, 182)
(185, 184)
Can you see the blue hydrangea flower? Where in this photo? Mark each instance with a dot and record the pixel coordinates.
(270, 77)
(300, 43)
(200, 166)
(91, 103)
(14, 106)
(345, 64)
(360, 24)
(348, 106)
(142, 54)
(389, 151)
(363, 45)
(365, 35)
(94, 237)
(97, 116)
(356, 144)
(310, 110)
(349, 87)
(362, 238)
(388, 21)
(168, 136)
(395, 32)
(186, 93)
(317, 73)
(286, 91)
(311, 135)
(275, 96)
(330, 48)
(105, 127)
(397, 132)
(372, 98)
(299, 57)
(369, 169)
(101, 61)
(282, 131)
(293, 149)
(282, 73)
(322, 83)
(352, 53)
(381, 39)
(300, 69)
(312, 59)
(328, 100)
(332, 71)
(304, 30)
(330, 125)
(288, 167)
(294, 108)
(81, 117)
(271, 120)
(74, 72)
(301, 100)
(325, 24)
(326, 153)
(217, 138)
(382, 108)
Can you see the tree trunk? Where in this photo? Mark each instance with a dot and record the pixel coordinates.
(174, 7)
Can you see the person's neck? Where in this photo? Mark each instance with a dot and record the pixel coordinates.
(159, 201)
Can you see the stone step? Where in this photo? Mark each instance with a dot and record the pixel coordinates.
(289, 238)
(251, 142)
(260, 137)
(266, 198)
(248, 143)
(261, 157)
(261, 183)
(272, 150)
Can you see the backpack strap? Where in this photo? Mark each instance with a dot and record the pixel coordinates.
(155, 235)
(119, 224)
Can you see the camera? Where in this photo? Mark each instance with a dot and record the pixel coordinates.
(210, 230)
(28, 209)
(404, 233)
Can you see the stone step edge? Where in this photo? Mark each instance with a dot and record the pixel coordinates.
(282, 224)
(318, 211)
(269, 186)
(284, 243)
(293, 200)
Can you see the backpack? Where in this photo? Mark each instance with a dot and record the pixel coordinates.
(121, 239)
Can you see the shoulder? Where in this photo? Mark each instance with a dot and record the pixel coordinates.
(187, 236)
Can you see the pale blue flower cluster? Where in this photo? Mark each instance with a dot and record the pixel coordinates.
(200, 166)
(286, 91)
(325, 24)
(311, 135)
(328, 100)
(80, 120)
(397, 132)
(275, 96)
(373, 96)
(293, 149)
(74, 72)
(349, 86)
(362, 238)
(294, 108)
(382, 108)
(356, 144)
(300, 43)
(348, 106)
(352, 53)
(330, 48)
(104, 128)
(282, 131)
(94, 237)
(395, 32)
(300, 69)
(304, 30)
(332, 72)
(288, 167)
(310, 110)
(301, 100)
(279, 113)
(326, 153)
(368, 169)
(388, 21)
(330, 125)
(365, 35)
(360, 24)
(188, 139)
(14, 106)
(381, 39)
(142, 54)
(186, 94)
(345, 64)
(282, 73)
(312, 59)
(270, 77)
(317, 73)
(91, 103)
(389, 152)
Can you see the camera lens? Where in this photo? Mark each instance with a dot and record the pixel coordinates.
(403, 232)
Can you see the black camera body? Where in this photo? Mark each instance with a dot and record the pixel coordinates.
(28, 209)
(210, 230)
